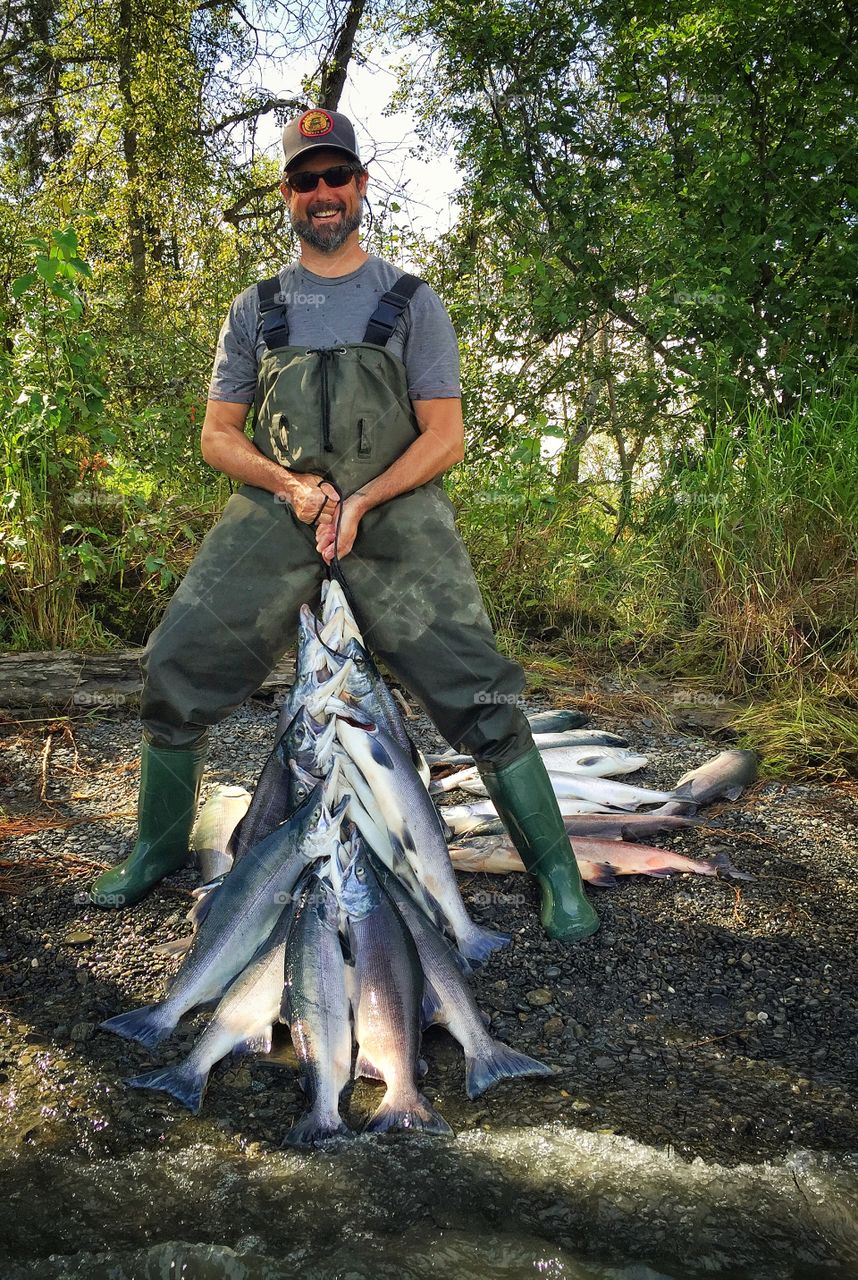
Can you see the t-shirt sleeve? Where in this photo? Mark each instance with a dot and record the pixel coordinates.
(431, 350)
(235, 364)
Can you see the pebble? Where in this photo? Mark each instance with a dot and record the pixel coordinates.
(540, 996)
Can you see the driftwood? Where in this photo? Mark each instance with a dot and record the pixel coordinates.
(66, 682)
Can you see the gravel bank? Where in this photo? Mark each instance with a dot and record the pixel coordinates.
(709, 1019)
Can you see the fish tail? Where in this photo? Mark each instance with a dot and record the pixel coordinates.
(724, 867)
(314, 1128)
(147, 1024)
(182, 1081)
(478, 943)
(420, 1117)
(499, 1062)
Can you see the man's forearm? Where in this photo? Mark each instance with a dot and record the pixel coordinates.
(238, 457)
(429, 456)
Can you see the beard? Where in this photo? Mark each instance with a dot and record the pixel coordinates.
(327, 238)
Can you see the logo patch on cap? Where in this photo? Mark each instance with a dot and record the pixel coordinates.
(315, 124)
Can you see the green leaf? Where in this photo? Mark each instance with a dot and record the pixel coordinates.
(22, 284)
(47, 267)
(66, 240)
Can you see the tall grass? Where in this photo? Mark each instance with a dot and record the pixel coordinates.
(762, 536)
(739, 567)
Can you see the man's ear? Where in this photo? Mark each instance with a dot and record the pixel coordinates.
(362, 181)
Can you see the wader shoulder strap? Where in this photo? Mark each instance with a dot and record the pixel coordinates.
(275, 325)
(390, 307)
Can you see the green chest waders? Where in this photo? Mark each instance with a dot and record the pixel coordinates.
(344, 413)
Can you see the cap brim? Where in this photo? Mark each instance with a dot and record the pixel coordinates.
(321, 146)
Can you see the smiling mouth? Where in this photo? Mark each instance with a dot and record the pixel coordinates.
(325, 215)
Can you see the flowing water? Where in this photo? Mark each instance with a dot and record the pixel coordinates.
(547, 1202)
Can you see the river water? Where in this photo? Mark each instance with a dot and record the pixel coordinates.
(549, 1202)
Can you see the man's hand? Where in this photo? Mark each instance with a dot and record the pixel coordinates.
(326, 529)
(311, 497)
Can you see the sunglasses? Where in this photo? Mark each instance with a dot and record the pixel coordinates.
(339, 175)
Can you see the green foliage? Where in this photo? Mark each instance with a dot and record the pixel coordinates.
(51, 400)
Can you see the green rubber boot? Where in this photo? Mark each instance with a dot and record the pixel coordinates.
(169, 788)
(525, 800)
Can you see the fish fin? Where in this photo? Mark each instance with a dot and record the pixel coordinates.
(176, 947)
(398, 848)
(586, 761)
(201, 890)
(600, 874)
(422, 1118)
(379, 755)
(312, 1129)
(432, 1007)
(479, 943)
(733, 793)
(200, 909)
(672, 807)
(363, 1067)
(422, 1068)
(499, 1063)
(186, 1085)
(659, 873)
(724, 867)
(144, 1024)
(258, 1043)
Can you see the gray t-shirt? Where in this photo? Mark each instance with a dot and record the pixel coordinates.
(327, 311)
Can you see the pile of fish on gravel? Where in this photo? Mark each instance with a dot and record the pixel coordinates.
(330, 903)
(329, 898)
(602, 816)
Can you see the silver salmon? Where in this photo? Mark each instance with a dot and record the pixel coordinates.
(388, 995)
(599, 861)
(447, 1000)
(316, 1006)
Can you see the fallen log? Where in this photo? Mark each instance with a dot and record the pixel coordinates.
(67, 682)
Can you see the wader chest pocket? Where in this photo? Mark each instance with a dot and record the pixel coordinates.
(364, 441)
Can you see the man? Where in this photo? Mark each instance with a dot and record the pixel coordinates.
(358, 414)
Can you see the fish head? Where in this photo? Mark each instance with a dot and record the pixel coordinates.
(310, 811)
(299, 742)
(322, 899)
(362, 671)
(311, 652)
(301, 784)
(360, 893)
(336, 602)
(323, 744)
(332, 630)
(325, 833)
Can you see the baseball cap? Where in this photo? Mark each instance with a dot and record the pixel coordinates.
(315, 129)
